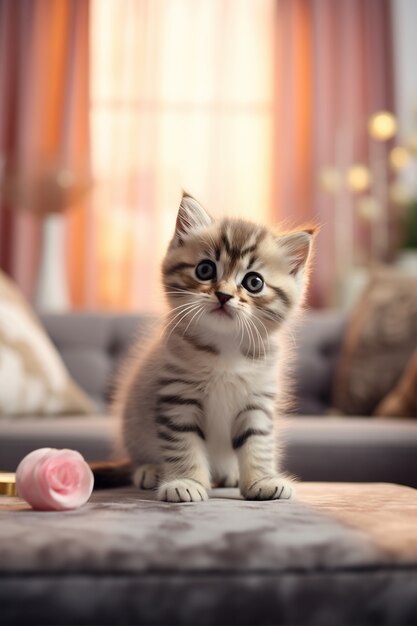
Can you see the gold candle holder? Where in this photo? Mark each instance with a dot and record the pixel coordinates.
(7, 484)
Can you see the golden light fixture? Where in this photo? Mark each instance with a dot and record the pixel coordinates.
(399, 158)
(382, 125)
(358, 177)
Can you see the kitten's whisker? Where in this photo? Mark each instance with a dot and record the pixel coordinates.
(262, 344)
(260, 334)
(180, 306)
(179, 309)
(181, 292)
(240, 328)
(184, 308)
(243, 330)
(276, 317)
(188, 325)
(165, 318)
(256, 347)
(237, 329)
(247, 335)
(251, 339)
(184, 316)
(258, 342)
(258, 319)
(187, 296)
(184, 293)
(200, 315)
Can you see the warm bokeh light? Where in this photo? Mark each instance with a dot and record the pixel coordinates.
(330, 179)
(411, 143)
(358, 177)
(382, 125)
(368, 208)
(399, 158)
(399, 193)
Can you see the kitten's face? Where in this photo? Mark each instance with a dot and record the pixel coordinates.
(232, 275)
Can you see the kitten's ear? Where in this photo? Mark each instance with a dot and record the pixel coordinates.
(191, 216)
(297, 247)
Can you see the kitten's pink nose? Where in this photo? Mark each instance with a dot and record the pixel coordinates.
(223, 297)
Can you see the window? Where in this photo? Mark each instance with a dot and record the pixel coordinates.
(182, 96)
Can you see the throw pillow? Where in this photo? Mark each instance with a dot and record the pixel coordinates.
(33, 378)
(402, 401)
(380, 338)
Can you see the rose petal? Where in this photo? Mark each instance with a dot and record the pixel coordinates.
(54, 479)
(26, 483)
(80, 493)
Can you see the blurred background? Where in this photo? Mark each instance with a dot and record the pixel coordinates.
(280, 111)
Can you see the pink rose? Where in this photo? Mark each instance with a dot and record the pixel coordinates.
(51, 479)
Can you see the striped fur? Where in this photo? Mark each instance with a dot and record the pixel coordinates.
(198, 405)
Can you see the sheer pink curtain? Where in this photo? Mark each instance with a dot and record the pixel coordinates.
(241, 103)
(334, 70)
(182, 97)
(19, 234)
(238, 102)
(44, 111)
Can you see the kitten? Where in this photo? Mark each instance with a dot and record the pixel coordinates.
(198, 405)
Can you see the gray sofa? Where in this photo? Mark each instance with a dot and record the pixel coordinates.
(319, 447)
(338, 554)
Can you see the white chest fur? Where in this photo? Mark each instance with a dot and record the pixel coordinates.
(232, 382)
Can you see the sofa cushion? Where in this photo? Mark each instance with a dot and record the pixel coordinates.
(95, 437)
(330, 448)
(380, 338)
(33, 378)
(92, 346)
(316, 342)
(402, 400)
(351, 449)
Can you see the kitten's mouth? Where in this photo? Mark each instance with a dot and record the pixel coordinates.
(222, 311)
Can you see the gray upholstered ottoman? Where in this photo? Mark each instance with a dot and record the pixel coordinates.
(339, 554)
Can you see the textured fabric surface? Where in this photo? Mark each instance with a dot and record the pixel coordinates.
(326, 558)
(95, 437)
(402, 400)
(316, 448)
(33, 379)
(321, 598)
(380, 338)
(317, 340)
(353, 449)
(92, 345)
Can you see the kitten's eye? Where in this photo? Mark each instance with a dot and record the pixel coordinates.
(253, 282)
(206, 270)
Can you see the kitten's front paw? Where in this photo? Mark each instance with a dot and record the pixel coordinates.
(145, 476)
(182, 490)
(269, 488)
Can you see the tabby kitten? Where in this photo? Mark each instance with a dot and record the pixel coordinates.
(198, 405)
